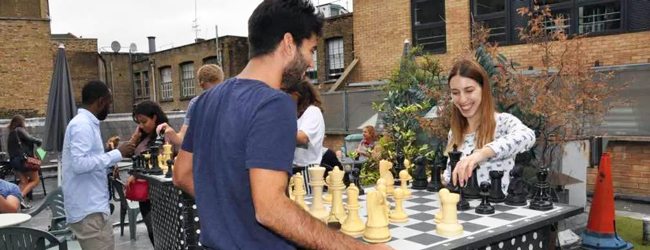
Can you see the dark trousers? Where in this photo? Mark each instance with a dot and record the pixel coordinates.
(145, 210)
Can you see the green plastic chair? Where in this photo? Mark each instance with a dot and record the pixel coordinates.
(127, 207)
(23, 238)
(55, 203)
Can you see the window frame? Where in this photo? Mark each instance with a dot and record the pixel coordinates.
(188, 85)
(328, 69)
(169, 84)
(146, 81)
(416, 27)
(137, 85)
(313, 70)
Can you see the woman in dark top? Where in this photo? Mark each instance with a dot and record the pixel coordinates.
(148, 115)
(20, 143)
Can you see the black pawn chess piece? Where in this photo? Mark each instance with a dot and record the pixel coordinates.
(420, 181)
(170, 165)
(435, 184)
(155, 151)
(496, 192)
(398, 167)
(463, 204)
(517, 188)
(485, 207)
(472, 190)
(542, 198)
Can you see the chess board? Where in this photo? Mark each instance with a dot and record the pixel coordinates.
(508, 228)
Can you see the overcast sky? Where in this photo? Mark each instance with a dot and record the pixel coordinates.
(170, 21)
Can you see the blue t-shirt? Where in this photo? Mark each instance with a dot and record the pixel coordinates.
(238, 125)
(8, 188)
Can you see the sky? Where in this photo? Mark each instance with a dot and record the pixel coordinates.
(170, 21)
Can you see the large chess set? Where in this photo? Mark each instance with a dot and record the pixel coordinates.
(400, 215)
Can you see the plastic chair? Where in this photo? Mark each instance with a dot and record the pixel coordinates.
(23, 238)
(55, 202)
(127, 207)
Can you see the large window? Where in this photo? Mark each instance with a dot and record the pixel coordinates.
(335, 63)
(580, 17)
(211, 60)
(166, 87)
(145, 79)
(187, 80)
(312, 73)
(429, 25)
(137, 85)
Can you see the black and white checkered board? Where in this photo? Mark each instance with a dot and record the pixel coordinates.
(419, 232)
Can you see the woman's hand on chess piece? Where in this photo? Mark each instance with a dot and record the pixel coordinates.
(467, 164)
(168, 129)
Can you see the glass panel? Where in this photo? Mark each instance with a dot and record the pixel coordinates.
(138, 84)
(599, 17)
(482, 7)
(187, 80)
(145, 77)
(335, 58)
(166, 83)
(211, 60)
(429, 12)
(545, 2)
(497, 29)
(432, 40)
(566, 15)
(312, 73)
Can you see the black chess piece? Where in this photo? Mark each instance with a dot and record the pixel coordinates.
(496, 192)
(472, 189)
(435, 184)
(542, 198)
(155, 151)
(398, 167)
(485, 207)
(170, 165)
(517, 188)
(355, 173)
(454, 158)
(463, 204)
(420, 181)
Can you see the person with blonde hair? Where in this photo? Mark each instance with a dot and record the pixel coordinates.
(486, 138)
(209, 75)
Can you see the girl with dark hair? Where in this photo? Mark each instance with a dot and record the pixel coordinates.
(484, 136)
(148, 115)
(20, 144)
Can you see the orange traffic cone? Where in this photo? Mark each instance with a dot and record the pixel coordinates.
(601, 231)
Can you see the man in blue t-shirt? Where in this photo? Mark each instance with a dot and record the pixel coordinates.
(242, 138)
(9, 197)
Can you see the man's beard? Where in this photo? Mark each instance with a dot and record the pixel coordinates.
(294, 72)
(102, 115)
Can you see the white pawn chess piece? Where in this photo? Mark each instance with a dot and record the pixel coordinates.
(327, 199)
(449, 225)
(407, 166)
(318, 210)
(299, 191)
(377, 225)
(290, 187)
(353, 225)
(398, 214)
(337, 214)
(403, 178)
(384, 173)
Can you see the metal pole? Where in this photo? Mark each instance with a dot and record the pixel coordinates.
(113, 82)
(219, 58)
(153, 94)
(345, 110)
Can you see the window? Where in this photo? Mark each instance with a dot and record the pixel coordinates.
(145, 78)
(335, 63)
(137, 82)
(492, 14)
(599, 17)
(187, 80)
(429, 25)
(312, 73)
(211, 60)
(166, 87)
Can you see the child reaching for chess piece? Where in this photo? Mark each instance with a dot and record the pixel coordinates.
(475, 125)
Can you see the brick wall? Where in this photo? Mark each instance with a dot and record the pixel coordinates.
(117, 79)
(380, 28)
(630, 168)
(333, 142)
(25, 72)
(24, 8)
(82, 58)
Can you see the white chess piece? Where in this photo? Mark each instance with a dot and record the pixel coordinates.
(317, 210)
(384, 173)
(377, 225)
(327, 199)
(299, 191)
(337, 214)
(449, 225)
(403, 178)
(398, 214)
(353, 225)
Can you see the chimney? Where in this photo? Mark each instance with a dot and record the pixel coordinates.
(152, 44)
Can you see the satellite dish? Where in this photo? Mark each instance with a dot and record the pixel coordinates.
(115, 46)
(133, 48)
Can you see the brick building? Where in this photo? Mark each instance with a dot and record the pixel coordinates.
(619, 31)
(168, 76)
(25, 67)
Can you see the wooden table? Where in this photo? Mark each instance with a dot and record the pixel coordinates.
(13, 219)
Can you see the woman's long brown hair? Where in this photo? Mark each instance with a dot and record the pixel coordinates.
(459, 124)
(16, 121)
